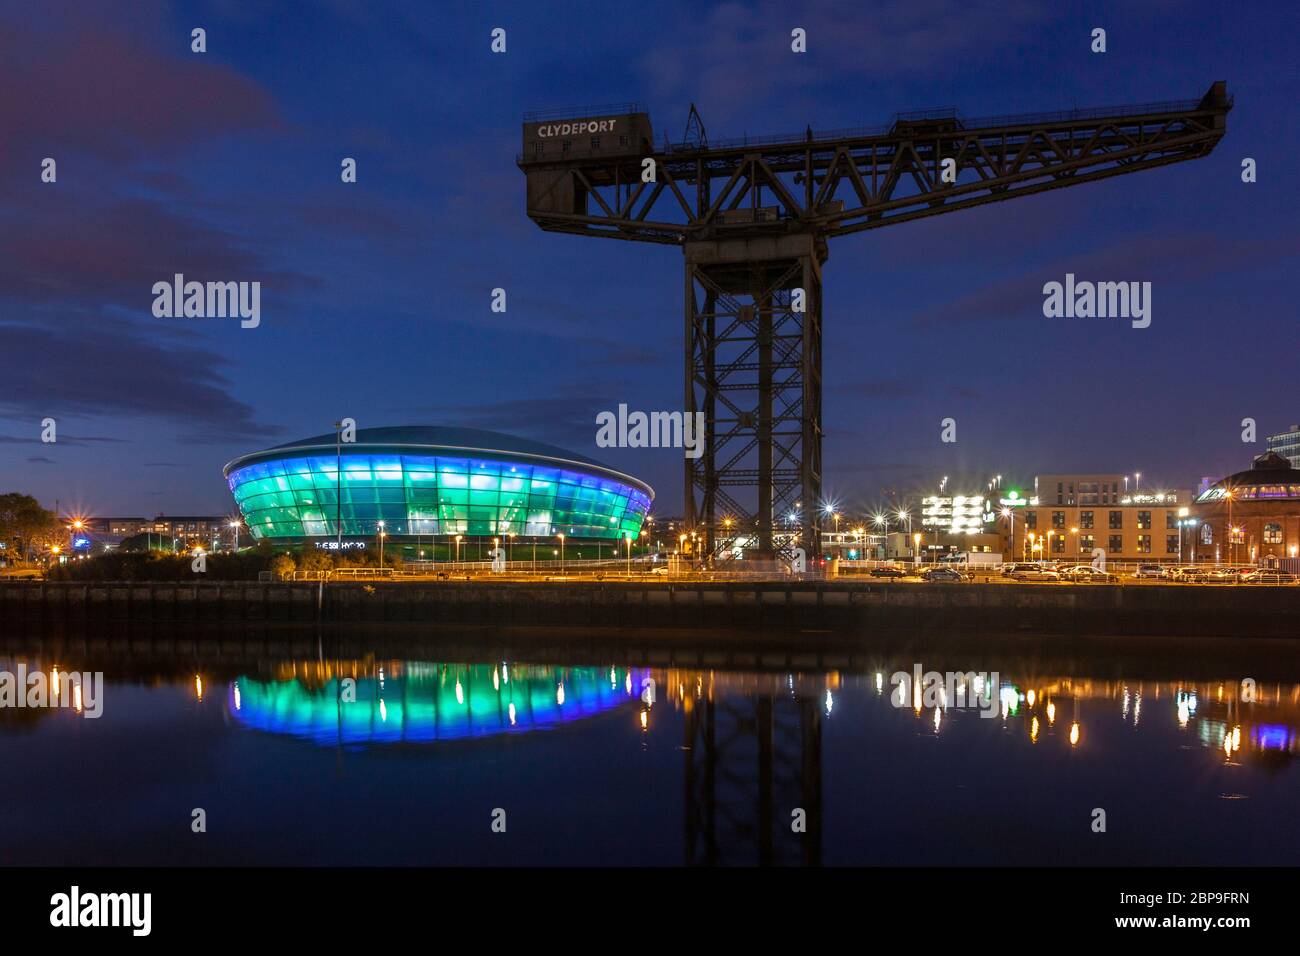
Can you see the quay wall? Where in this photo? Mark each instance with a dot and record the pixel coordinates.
(811, 606)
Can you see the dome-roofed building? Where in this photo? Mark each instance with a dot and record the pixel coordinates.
(422, 481)
(1252, 516)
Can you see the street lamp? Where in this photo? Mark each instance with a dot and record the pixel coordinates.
(628, 537)
(1075, 532)
(458, 537)
(916, 548)
(235, 526)
(1011, 533)
(561, 537)
(382, 534)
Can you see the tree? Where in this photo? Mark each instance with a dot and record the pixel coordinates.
(282, 566)
(25, 526)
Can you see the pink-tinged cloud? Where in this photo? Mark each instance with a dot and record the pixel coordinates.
(105, 93)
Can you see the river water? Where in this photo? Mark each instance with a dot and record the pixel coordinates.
(311, 750)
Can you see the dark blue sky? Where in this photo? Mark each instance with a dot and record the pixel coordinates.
(375, 296)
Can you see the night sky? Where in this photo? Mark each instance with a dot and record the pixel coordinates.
(375, 295)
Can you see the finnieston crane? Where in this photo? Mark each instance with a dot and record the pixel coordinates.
(753, 217)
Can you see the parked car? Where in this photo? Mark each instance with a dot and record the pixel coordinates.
(1009, 570)
(888, 571)
(1190, 575)
(1086, 572)
(941, 573)
(1151, 571)
(1220, 575)
(1268, 577)
(1034, 572)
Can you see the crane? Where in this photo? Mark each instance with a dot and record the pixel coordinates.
(753, 217)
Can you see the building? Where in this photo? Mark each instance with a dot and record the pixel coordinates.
(187, 530)
(1082, 490)
(426, 483)
(1251, 517)
(1287, 445)
(1073, 515)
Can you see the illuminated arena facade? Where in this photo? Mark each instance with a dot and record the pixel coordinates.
(425, 481)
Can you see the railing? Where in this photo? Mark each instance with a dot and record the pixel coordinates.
(581, 112)
(982, 122)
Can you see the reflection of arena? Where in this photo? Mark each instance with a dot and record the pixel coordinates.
(422, 702)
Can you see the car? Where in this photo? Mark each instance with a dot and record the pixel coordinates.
(887, 571)
(1034, 572)
(660, 570)
(1190, 575)
(1151, 571)
(1220, 575)
(941, 574)
(1008, 570)
(1086, 572)
(1268, 577)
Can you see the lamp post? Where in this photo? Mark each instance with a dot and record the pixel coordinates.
(458, 537)
(1011, 516)
(916, 548)
(381, 545)
(235, 525)
(629, 554)
(1075, 532)
(561, 537)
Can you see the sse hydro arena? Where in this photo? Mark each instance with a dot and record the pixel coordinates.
(431, 481)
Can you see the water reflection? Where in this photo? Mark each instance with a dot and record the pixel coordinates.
(356, 703)
(714, 766)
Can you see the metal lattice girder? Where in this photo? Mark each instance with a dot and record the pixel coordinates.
(753, 369)
(738, 208)
(848, 181)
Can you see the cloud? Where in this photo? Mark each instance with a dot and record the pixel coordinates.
(733, 54)
(63, 439)
(105, 92)
(110, 372)
(1185, 258)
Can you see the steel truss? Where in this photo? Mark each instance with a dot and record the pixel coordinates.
(754, 216)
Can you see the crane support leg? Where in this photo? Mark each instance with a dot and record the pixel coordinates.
(753, 367)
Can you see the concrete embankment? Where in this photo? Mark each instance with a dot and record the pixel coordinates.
(829, 606)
